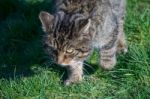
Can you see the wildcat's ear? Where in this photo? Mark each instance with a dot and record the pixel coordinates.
(87, 26)
(46, 20)
(84, 30)
(84, 25)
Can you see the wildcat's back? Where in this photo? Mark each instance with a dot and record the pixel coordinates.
(80, 25)
(106, 15)
(107, 19)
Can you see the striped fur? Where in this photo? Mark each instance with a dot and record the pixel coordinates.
(80, 25)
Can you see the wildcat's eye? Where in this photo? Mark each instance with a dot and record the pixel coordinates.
(71, 50)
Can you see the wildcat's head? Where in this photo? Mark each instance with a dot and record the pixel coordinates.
(68, 34)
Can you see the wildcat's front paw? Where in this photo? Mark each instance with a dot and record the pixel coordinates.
(108, 64)
(73, 79)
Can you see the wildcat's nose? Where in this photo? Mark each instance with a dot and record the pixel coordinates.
(62, 59)
(63, 62)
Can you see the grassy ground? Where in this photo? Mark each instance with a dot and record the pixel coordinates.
(24, 76)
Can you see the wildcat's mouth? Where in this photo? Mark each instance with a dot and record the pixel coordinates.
(64, 64)
(65, 60)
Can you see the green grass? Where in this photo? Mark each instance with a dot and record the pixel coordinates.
(23, 74)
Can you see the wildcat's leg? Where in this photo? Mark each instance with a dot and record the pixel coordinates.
(75, 73)
(108, 58)
(122, 46)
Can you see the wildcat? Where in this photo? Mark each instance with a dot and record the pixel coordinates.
(80, 25)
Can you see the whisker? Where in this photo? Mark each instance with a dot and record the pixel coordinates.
(86, 71)
(89, 66)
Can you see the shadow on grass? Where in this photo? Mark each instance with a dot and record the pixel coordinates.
(20, 37)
